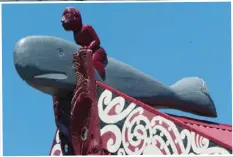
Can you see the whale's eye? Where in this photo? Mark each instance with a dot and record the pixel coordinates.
(60, 51)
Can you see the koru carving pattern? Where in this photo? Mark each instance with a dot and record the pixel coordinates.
(129, 129)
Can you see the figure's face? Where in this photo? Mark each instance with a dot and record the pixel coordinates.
(67, 17)
(71, 19)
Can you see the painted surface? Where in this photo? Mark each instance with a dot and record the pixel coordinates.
(196, 35)
(46, 63)
(131, 129)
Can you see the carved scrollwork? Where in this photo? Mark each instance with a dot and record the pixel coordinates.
(132, 130)
(142, 133)
(56, 149)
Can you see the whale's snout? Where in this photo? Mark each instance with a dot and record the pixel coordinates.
(45, 63)
(24, 61)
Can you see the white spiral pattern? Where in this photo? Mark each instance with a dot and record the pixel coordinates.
(57, 146)
(143, 135)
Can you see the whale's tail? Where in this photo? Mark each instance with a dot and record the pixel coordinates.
(192, 91)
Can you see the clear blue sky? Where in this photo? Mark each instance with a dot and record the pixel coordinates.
(166, 40)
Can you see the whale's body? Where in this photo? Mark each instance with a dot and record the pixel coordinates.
(45, 63)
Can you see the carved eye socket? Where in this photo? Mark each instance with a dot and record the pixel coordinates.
(84, 134)
(66, 148)
(60, 52)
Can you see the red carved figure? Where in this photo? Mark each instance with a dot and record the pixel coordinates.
(85, 36)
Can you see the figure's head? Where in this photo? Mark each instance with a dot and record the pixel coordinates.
(71, 19)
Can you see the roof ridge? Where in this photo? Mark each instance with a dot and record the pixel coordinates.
(177, 120)
(205, 123)
(210, 126)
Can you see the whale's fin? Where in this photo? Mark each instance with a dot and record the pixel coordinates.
(194, 95)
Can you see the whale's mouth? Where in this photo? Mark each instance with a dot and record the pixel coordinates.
(54, 76)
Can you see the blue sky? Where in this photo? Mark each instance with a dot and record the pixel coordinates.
(168, 41)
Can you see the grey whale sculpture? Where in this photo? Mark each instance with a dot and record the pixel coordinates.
(45, 63)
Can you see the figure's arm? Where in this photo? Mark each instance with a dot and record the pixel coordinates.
(96, 41)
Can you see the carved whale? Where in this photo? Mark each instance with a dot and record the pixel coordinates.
(46, 63)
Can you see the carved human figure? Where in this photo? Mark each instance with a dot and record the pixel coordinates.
(85, 36)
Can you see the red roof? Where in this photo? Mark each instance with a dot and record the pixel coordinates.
(219, 132)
